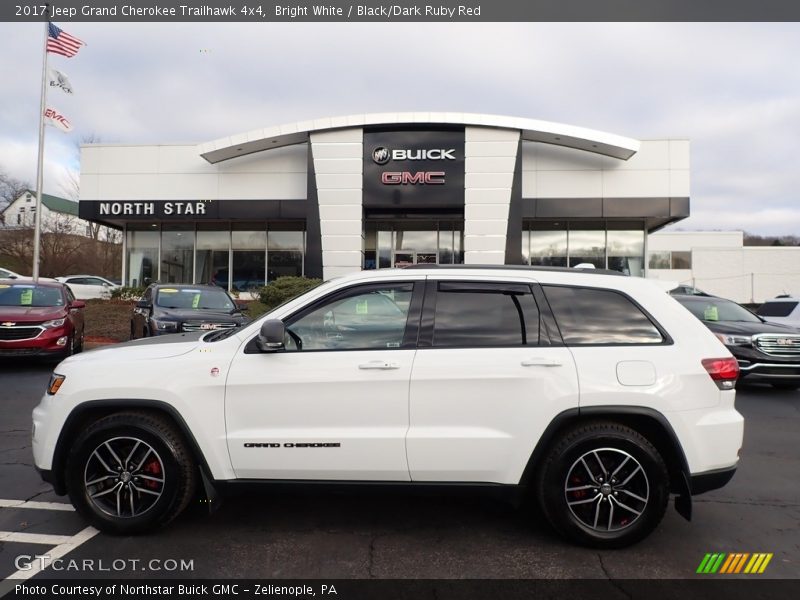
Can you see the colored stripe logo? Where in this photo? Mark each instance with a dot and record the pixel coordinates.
(735, 562)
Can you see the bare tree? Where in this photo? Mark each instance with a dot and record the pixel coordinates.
(11, 188)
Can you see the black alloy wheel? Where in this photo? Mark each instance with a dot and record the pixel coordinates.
(130, 472)
(603, 485)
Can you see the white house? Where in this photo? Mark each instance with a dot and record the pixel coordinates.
(58, 214)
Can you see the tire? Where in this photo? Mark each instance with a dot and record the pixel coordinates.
(155, 480)
(590, 513)
(69, 347)
(786, 387)
(79, 348)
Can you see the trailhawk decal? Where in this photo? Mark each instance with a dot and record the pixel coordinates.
(292, 445)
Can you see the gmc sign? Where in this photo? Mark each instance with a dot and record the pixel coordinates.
(406, 178)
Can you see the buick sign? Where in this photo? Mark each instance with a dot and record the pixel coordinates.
(380, 155)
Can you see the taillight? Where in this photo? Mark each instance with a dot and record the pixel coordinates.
(724, 371)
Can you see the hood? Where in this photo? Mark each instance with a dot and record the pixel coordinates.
(162, 346)
(31, 314)
(744, 328)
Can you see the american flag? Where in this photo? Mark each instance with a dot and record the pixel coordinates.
(60, 42)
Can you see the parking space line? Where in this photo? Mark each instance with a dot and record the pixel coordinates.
(68, 545)
(36, 505)
(33, 538)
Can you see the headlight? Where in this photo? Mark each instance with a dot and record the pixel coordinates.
(54, 323)
(734, 340)
(165, 325)
(55, 383)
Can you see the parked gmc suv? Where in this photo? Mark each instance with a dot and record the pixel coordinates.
(595, 395)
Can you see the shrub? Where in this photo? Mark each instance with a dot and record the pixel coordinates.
(127, 293)
(256, 308)
(285, 288)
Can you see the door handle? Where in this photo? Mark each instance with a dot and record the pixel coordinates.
(540, 362)
(380, 365)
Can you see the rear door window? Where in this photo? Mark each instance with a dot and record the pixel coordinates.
(485, 315)
(590, 316)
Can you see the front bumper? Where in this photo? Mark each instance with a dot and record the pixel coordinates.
(45, 344)
(769, 371)
(755, 365)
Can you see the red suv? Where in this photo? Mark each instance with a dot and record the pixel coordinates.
(39, 318)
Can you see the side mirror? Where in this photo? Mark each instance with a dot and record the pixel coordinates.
(142, 304)
(271, 337)
(78, 304)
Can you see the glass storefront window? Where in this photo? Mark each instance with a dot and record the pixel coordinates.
(370, 249)
(526, 247)
(384, 249)
(412, 242)
(548, 248)
(177, 254)
(211, 261)
(142, 256)
(416, 246)
(626, 252)
(284, 254)
(659, 260)
(617, 245)
(249, 243)
(681, 260)
(587, 247)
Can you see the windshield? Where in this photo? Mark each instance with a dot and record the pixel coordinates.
(20, 294)
(716, 309)
(194, 298)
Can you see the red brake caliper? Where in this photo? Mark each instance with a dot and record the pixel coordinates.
(152, 468)
(577, 494)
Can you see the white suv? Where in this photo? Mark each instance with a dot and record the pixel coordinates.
(597, 393)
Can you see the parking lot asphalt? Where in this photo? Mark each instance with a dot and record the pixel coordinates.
(380, 534)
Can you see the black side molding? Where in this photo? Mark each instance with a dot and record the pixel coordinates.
(701, 483)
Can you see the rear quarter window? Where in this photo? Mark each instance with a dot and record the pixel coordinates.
(776, 309)
(590, 316)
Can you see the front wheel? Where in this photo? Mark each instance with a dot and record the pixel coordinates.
(603, 485)
(130, 472)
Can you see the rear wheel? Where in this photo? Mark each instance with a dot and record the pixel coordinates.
(603, 485)
(130, 472)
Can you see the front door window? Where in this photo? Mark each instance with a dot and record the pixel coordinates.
(371, 318)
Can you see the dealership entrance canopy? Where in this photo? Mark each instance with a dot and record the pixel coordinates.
(326, 197)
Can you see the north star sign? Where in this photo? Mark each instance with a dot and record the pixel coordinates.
(161, 209)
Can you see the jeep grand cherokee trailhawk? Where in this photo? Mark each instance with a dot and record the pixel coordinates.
(597, 393)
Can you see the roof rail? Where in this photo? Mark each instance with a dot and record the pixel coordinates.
(518, 268)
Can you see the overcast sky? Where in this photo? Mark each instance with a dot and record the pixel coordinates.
(732, 89)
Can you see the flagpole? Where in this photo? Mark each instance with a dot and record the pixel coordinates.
(37, 232)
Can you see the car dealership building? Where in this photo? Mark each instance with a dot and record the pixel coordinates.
(327, 197)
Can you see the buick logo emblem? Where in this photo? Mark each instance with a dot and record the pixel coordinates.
(381, 155)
